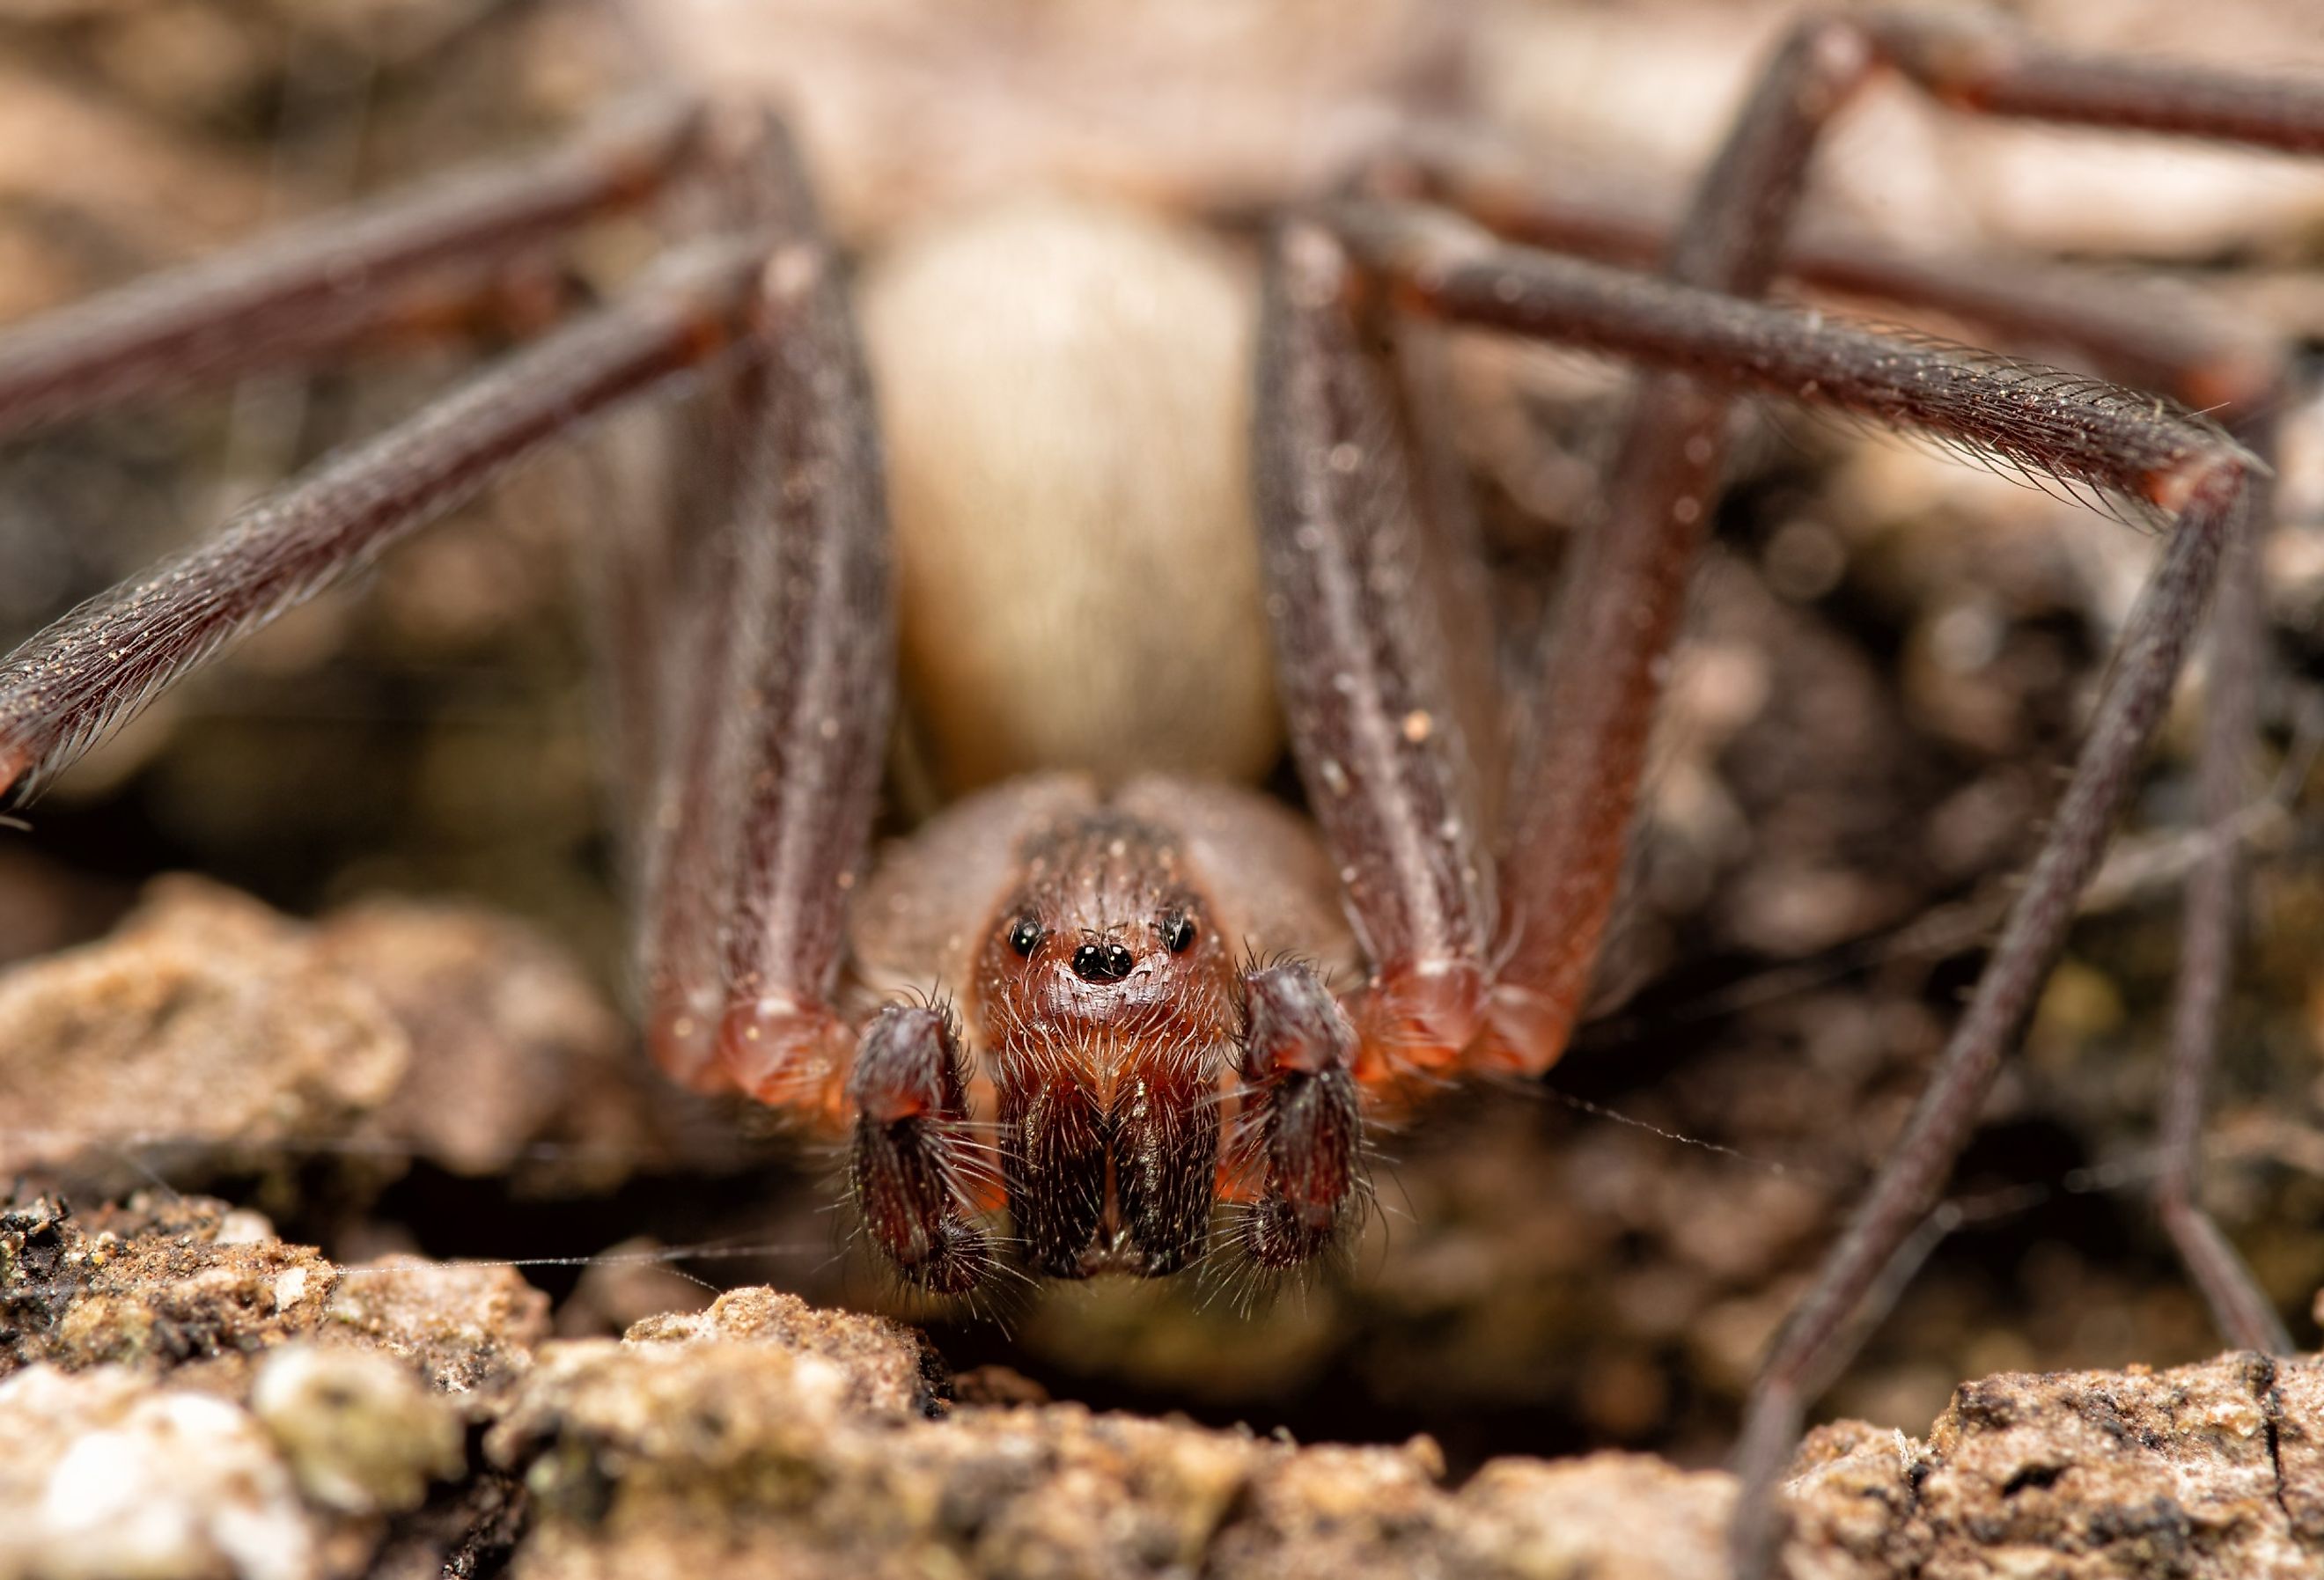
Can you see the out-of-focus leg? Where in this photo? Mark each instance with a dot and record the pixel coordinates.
(1360, 652)
(791, 716)
(2244, 1314)
(304, 291)
(68, 685)
(1581, 747)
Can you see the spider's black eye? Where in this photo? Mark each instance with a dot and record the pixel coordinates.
(1024, 937)
(1103, 963)
(1177, 932)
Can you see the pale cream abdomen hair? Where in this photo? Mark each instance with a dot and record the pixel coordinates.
(1064, 388)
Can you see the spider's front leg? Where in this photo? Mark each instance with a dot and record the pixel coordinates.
(1362, 656)
(1476, 965)
(1365, 572)
(777, 697)
(777, 689)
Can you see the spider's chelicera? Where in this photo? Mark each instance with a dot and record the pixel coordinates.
(1167, 1010)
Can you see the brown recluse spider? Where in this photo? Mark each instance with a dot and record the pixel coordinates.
(1138, 1058)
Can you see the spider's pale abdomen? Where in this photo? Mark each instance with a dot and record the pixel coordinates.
(1064, 390)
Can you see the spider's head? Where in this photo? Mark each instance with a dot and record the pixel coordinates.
(1107, 1003)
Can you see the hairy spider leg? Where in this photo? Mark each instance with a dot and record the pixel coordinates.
(405, 261)
(1361, 661)
(789, 714)
(2208, 361)
(375, 272)
(1743, 208)
(2179, 343)
(2112, 439)
(71, 684)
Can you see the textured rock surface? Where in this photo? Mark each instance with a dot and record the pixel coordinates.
(715, 1454)
(180, 1394)
(519, 1065)
(148, 1041)
(186, 1286)
(183, 1394)
(105, 1473)
(208, 1033)
(2200, 1470)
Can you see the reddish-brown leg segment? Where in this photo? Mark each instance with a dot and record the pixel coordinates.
(1742, 204)
(1601, 662)
(776, 686)
(1358, 652)
(2207, 360)
(687, 865)
(803, 695)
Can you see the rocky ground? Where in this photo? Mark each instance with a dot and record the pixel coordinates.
(181, 1394)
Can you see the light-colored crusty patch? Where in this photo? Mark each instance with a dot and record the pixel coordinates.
(766, 1437)
(891, 1367)
(467, 1326)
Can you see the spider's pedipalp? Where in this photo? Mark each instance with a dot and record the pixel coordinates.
(1300, 1128)
(914, 1170)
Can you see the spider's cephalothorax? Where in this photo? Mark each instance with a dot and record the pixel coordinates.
(1117, 1061)
(1120, 1071)
(1107, 1003)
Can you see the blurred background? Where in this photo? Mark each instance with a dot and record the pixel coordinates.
(1889, 656)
